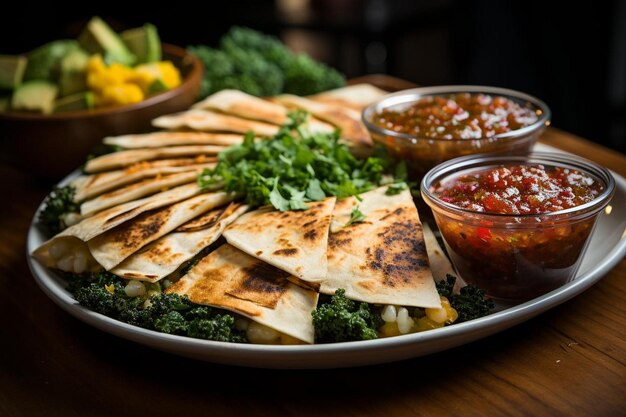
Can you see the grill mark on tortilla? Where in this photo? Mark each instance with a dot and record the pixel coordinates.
(261, 283)
(389, 257)
(311, 234)
(147, 225)
(286, 251)
(307, 224)
(396, 212)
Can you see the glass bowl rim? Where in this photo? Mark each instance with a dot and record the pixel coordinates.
(546, 158)
(413, 94)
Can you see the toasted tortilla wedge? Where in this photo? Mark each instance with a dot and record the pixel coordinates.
(208, 121)
(165, 255)
(108, 219)
(173, 138)
(349, 121)
(439, 263)
(89, 186)
(240, 104)
(129, 157)
(230, 279)
(356, 97)
(382, 260)
(112, 247)
(294, 241)
(136, 191)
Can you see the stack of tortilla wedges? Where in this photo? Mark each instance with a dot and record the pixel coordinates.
(143, 216)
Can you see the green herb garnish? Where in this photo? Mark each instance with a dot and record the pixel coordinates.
(293, 167)
(356, 216)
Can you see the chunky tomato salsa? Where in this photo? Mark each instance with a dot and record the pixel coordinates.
(457, 116)
(520, 257)
(521, 189)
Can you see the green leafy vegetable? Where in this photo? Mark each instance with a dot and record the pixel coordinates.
(57, 205)
(293, 167)
(240, 69)
(261, 65)
(470, 303)
(396, 188)
(104, 293)
(343, 320)
(356, 216)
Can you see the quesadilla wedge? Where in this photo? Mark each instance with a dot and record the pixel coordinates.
(382, 259)
(136, 191)
(132, 156)
(208, 121)
(74, 238)
(356, 97)
(89, 186)
(244, 105)
(173, 138)
(294, 241)
(112, 247)
(349, 121)
(230, 279)
(163, 256)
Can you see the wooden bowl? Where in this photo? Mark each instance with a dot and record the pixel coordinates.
(51, 146)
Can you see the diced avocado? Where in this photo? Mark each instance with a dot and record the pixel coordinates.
(157, 86)
(99, 38)
(73, 77)
(36, 95)
(44, 62)
(144, 42)
(79, 101)
(11, 71)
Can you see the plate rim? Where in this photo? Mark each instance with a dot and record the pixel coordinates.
(292, 356)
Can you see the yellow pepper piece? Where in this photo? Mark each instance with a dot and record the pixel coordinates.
(169, 74)
(116, 95)
(95, 64)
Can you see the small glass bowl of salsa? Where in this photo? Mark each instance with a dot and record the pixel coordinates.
(429, 125)
(517, 226)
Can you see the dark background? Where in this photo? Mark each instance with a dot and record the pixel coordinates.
(574, 58)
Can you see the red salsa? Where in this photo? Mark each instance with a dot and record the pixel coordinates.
(520, 189)
(517, 257)
(457, 116)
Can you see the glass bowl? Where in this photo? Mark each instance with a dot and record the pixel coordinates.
(423, 153)
(515, 257)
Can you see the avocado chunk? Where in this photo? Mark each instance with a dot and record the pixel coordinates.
(75, 102)
(144, 42)
(11, 71)
(44, 62)
(36, 95)
(73, 77)
(99, 38)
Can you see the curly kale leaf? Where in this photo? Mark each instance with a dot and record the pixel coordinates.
(104, 293)
(57, 205)
(343, 320)
(471, 302)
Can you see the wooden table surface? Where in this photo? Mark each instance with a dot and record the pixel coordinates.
(569, 361)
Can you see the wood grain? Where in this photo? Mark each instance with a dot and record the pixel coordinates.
(568, 361)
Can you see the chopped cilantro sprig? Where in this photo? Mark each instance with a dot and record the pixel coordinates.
(293, 167)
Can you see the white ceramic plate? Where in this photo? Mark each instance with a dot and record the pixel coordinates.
(606, 249)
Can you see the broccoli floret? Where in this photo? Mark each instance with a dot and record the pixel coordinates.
(262, 65)
(237, 68)
(305, 76)
(57, 205)
(343, 320)
(471, 302)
